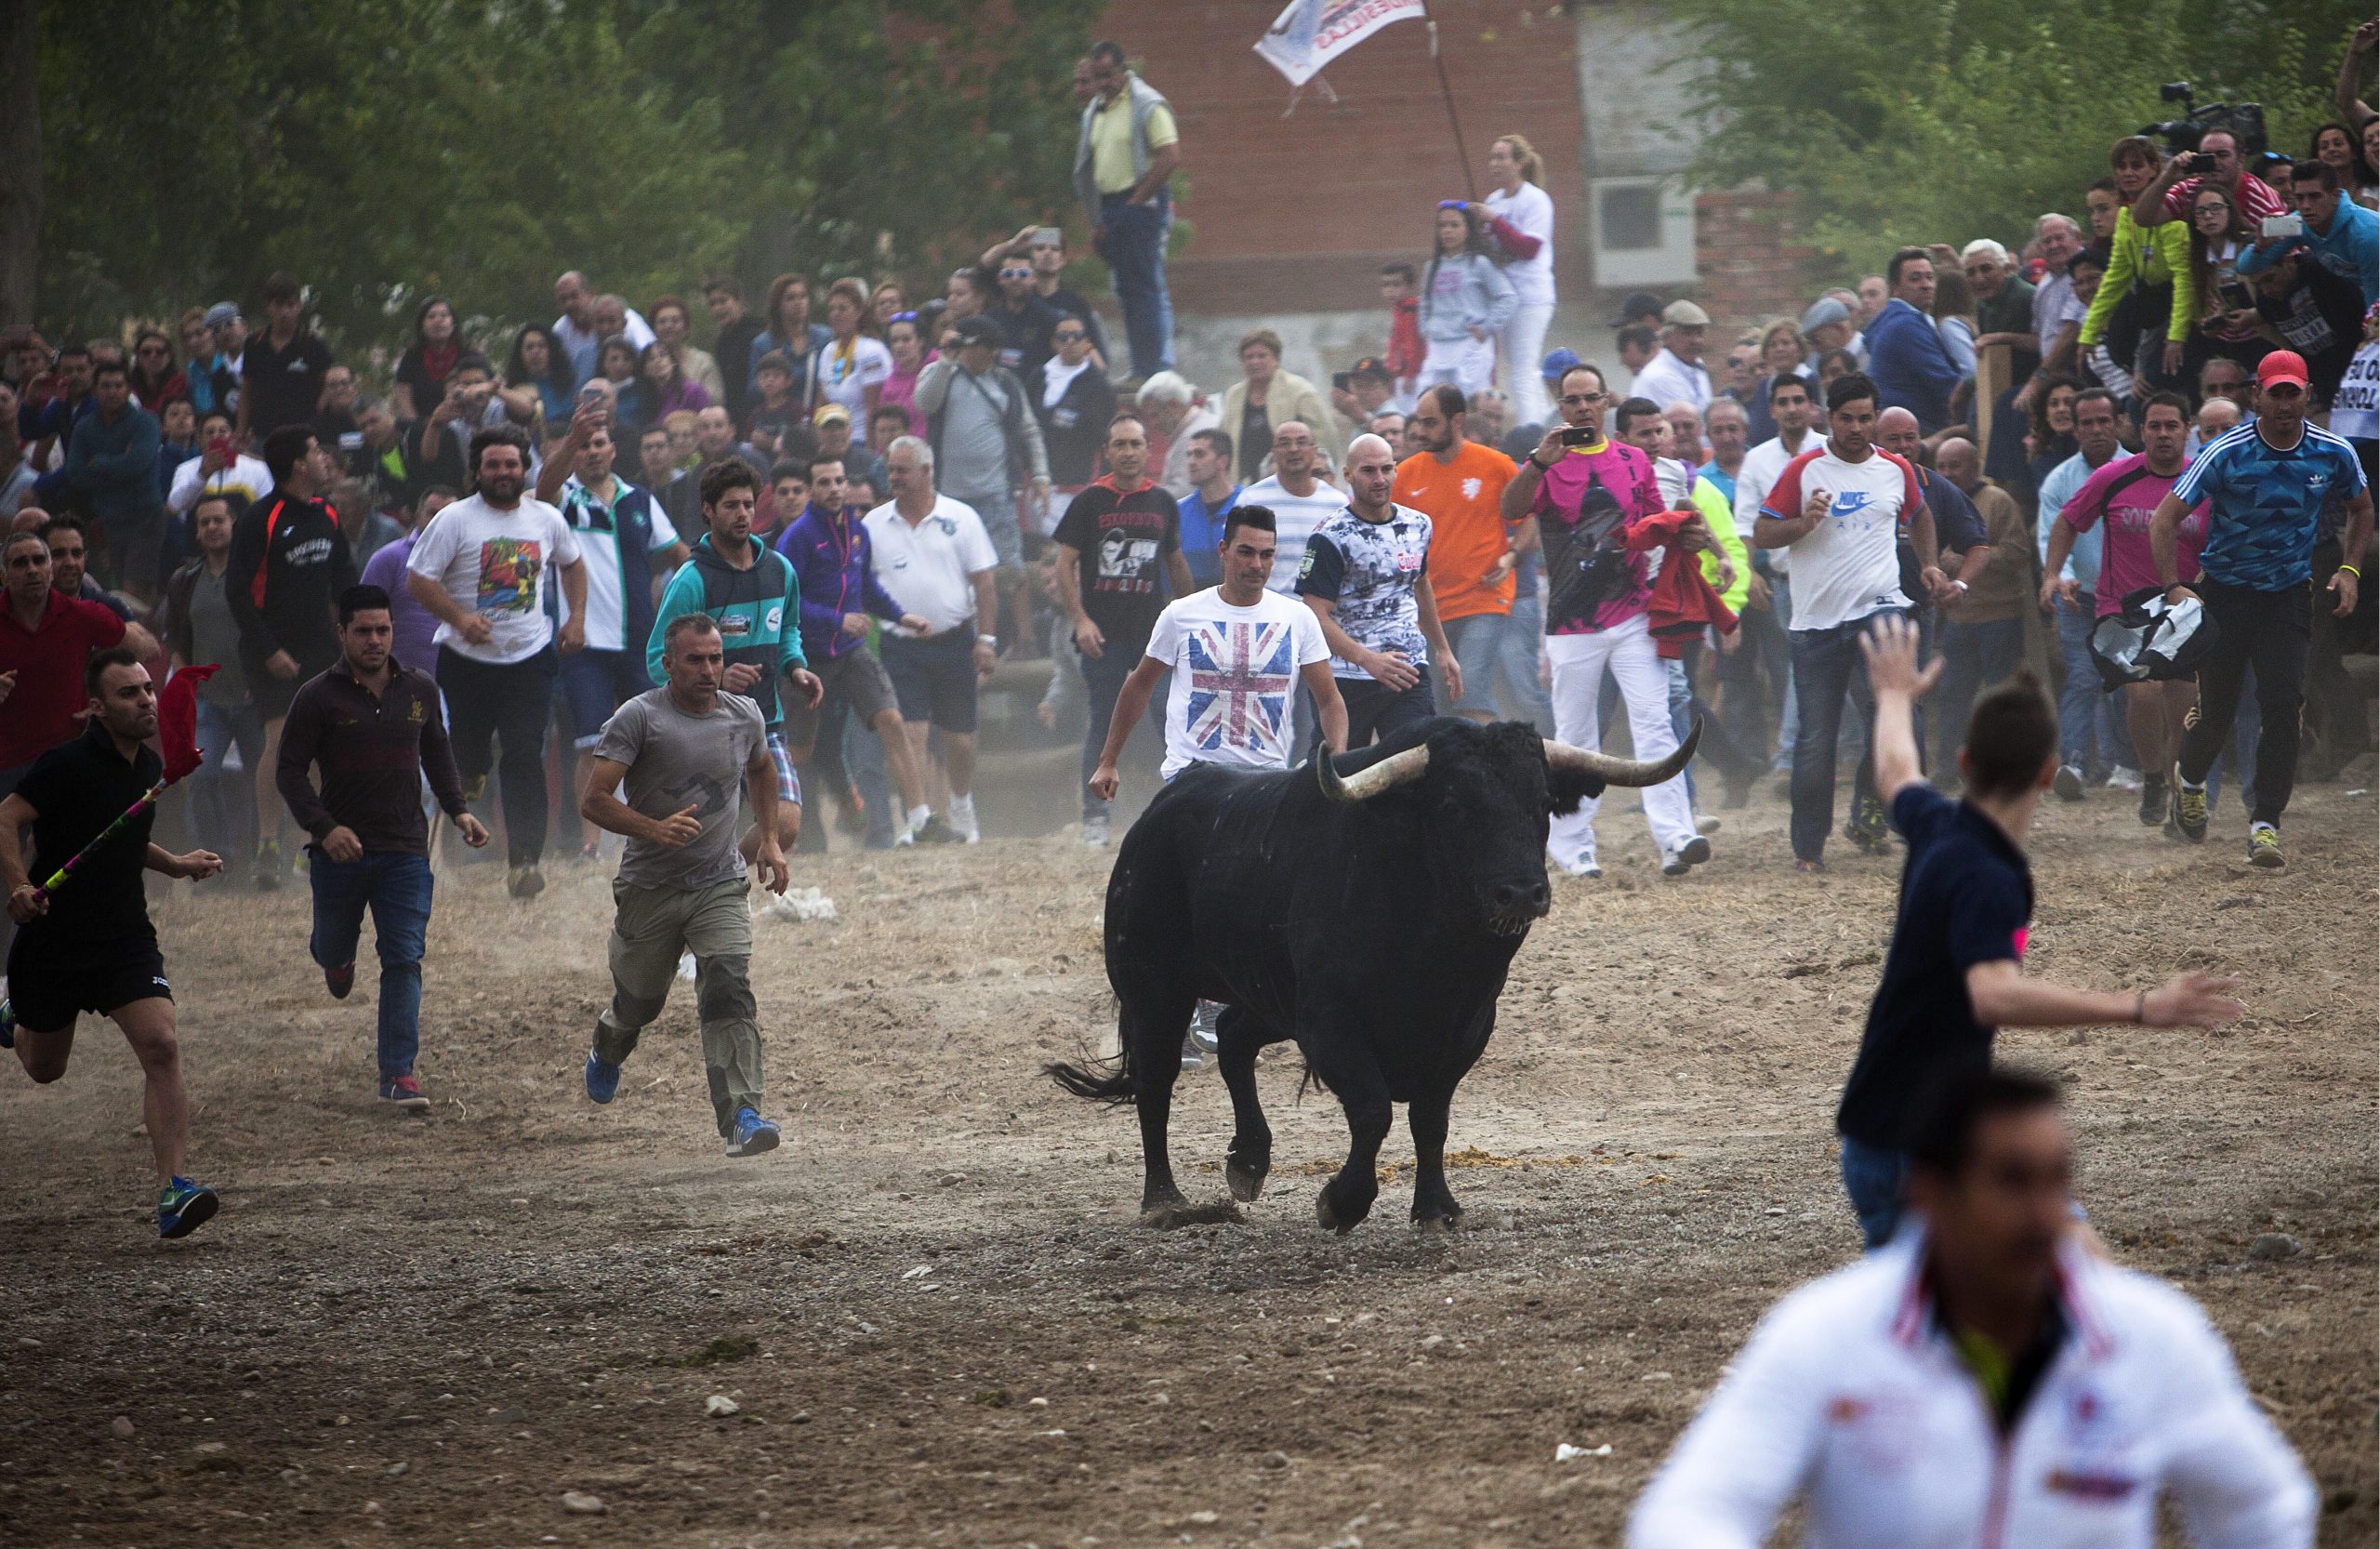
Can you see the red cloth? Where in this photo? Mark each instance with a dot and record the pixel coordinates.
(1405, 351)
(1517, 244)
(1684, 602)
(178, 720)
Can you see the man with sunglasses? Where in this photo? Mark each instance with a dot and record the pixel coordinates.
(2264, 486)
(1023, 319)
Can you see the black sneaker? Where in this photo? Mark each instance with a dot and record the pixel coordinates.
(935, 829)
(2188, 820)
(2153, 801)
(2264, 847)
(1868, 828)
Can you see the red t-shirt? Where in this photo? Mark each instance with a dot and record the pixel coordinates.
(49, 664)
(2255, 196)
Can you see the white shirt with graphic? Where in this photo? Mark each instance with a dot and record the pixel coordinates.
(497, 563)
(1848, 566)
(1367, 571)
(1234, 677)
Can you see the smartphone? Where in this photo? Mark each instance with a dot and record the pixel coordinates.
(2198, 163)
(1577, 435)
(2236, 296)
(1049, 236)
(1344, 381)
(2284, 226)
(590, 393)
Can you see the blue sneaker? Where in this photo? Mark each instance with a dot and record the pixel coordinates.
(602, 1078)
(184, 1207)
(753, 1135)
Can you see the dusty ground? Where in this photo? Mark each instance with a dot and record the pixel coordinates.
(934, 1307)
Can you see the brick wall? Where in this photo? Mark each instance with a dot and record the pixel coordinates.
(1752, 267)
(1298, 213)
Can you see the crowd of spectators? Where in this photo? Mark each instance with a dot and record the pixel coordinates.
(1999, 370)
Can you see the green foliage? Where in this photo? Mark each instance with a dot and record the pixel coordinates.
(1951, 119)
(383, 150)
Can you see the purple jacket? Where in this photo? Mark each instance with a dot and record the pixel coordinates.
(417, 627)
(830, 559)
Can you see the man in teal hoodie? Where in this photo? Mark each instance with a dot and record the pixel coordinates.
(753, 594)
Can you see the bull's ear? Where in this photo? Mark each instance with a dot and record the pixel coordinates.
(1566, 789)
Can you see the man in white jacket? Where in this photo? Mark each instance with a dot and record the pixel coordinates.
(1985, 1381)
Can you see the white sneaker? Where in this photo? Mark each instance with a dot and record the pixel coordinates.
(1581, 866)
(1705, 824)
(686, 967)
(962, 814)
(2121, 779)
(910, 824)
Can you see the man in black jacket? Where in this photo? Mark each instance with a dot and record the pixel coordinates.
(289, 564)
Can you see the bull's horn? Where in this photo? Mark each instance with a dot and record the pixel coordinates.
(1395, 770)
(1622, 772)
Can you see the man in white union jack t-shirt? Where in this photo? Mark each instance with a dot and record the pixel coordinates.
(1237, 653)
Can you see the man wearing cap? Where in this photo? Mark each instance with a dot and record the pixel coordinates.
(987, 447)
(1827, 325)
(2264, 484)
(1641, 308)
(214, 380)
(833, 425)
(1676, 374)
(1366, 390)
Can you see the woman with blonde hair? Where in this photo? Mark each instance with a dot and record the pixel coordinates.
(851, 367)
(1780, 356)
(1519, 216)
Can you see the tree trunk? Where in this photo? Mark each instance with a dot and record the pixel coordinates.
(20, 171)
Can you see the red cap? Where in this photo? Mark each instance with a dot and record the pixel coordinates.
(2282, 366)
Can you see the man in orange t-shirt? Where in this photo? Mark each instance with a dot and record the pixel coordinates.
(1474, 553)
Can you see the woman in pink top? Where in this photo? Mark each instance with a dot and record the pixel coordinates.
(909, 357)
(2127, 492)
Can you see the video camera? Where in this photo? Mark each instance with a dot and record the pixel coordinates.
(2244, 124)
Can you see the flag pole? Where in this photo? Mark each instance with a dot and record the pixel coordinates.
(1470, 179)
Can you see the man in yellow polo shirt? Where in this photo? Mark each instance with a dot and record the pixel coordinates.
(1128, 152)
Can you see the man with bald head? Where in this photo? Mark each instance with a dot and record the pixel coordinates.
(1983, 626)
(1366, 575)
(579, 329)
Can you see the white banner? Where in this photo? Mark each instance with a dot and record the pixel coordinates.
(1310, 33)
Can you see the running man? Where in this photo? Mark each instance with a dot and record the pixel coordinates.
(2264, 484)
(686, 753)
(2127, 492)
(376, 728)
(1238, 651)
(751, 593)
(91, 948)
(1954, 974)
(1365, 575)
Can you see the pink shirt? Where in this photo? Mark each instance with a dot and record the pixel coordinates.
(1628, 475)
(2127, 495)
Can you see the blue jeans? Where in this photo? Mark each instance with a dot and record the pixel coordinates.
(1826, 665)
(222, 803)
(1516, 664)
(1974, 658)
(2077, 701)
(1873, 1176)
(1102, 679)
(1132, 239)
(395, 884)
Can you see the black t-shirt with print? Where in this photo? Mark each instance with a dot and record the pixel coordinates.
(1124, 541)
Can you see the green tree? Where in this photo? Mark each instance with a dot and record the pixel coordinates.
(1950, 121)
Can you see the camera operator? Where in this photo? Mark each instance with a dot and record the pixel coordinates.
(2218, 161)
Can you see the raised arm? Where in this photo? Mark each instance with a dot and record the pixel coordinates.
(1891, 650)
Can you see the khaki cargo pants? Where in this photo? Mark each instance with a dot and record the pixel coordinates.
(652, 927)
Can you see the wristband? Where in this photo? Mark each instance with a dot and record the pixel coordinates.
(1541, 466)
(987, 639)
(2352, 571)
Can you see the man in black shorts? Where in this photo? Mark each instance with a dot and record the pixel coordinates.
(91, 948)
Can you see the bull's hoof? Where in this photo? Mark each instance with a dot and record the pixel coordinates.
(1326, 1217)
(1437, 1225)
(1181, 1213)
(1246, 1178)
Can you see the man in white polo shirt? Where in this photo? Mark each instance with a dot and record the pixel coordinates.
(932, 552)
(1838, 508)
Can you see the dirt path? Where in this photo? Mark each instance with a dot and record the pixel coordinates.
(932, 1307)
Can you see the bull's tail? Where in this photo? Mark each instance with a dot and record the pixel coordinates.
(1107, 1081)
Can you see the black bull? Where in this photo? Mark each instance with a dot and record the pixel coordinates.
(1366, 908)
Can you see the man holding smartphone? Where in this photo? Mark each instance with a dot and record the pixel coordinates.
(2218, 161)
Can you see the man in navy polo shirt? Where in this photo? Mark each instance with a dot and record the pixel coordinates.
(1954, 974)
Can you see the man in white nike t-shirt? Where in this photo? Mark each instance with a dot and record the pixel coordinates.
(1838, 508)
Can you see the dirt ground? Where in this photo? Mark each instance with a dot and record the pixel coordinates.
(932, 1307)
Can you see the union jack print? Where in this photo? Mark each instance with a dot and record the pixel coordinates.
(1240, 677)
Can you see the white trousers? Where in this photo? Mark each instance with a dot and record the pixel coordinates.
(1469, 364)
(1579, 662)
(1522, 345)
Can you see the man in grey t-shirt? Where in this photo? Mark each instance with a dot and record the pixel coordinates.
(685, 755)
